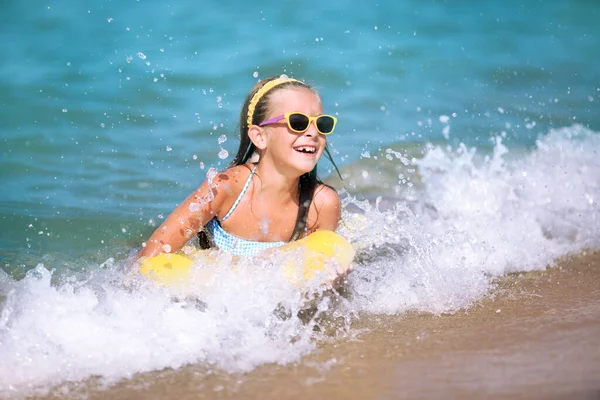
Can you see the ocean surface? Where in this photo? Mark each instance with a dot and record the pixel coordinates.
(468, 138)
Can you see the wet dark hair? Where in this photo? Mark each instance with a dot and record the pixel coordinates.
(308, 181)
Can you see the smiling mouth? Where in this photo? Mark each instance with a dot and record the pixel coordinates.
(306, 149)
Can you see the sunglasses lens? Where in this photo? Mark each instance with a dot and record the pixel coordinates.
(298, 122)
(325, 124)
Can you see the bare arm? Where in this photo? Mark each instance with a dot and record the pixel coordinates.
(185, 221)
(327, 209)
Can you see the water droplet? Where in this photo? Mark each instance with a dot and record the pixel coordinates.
(222, 139)
(212, 172)
(64, 110)
(128, 59)
(141, 55)
(255, 74)
(223, 154)
(201, 165)
(166, 248)
(169, 148)
(446, 132)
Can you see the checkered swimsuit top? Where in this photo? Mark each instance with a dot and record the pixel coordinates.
(232, 244)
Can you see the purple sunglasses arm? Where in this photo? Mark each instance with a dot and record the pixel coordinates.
(272, 120)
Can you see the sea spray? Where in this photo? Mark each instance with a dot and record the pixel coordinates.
(473, 216)
(477, 217)
(114, 326)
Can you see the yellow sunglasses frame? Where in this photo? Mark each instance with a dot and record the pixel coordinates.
(313, 120)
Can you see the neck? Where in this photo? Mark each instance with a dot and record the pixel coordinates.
(276, 183)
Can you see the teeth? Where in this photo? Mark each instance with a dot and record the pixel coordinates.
(306, 149)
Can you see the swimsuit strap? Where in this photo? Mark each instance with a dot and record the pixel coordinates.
(237, 201)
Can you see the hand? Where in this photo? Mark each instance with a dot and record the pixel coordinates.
(336, 273)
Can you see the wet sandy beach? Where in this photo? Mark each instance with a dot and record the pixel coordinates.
(537, 336)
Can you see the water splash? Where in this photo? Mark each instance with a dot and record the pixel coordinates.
(472, 217)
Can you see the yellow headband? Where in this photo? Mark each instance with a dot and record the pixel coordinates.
(262, 91)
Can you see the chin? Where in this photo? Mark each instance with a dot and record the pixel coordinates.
(303, 163)
(306, 167)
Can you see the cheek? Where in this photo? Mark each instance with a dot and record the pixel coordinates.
(280, 142)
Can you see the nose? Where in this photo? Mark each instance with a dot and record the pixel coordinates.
(312, 129)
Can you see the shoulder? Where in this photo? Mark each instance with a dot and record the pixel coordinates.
(224, 187)
(325, 210)
(326, 196)
(231, 177)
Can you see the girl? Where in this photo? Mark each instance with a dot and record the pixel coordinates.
(254, 206)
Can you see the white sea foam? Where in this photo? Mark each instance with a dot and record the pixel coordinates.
(51, 333)
(473, 218)
(476, 219)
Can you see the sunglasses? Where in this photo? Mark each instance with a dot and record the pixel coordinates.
(299, 123)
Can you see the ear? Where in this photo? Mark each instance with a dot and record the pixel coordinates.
(258, 137)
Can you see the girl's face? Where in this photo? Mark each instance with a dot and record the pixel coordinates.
(299, 151)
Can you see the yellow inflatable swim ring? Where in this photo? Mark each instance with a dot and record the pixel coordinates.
(301, 260)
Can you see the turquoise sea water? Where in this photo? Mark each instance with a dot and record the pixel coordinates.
(475, 122)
